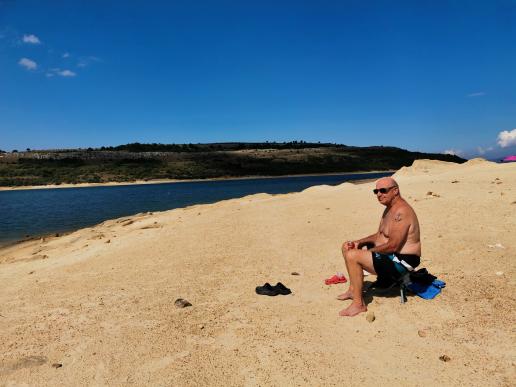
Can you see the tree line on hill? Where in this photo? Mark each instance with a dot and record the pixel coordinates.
(200, 161)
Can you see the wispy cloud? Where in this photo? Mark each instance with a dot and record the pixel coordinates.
(507, 138)
(28, 64)
(66, 55)
(477, 94)
(66, 73)
(453, 152)
(87, 60)
(62, 73)
(482, 151)
(31, 39)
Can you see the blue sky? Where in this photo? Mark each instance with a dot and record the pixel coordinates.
(422, 75)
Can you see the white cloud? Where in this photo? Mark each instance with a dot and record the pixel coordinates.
(66, 73)
(482, 151)
(31, 39)
(63, 73)
(66, 55)
(506, 138)
(86, 61)
(453, 152)
(477, 94)
(28, 64)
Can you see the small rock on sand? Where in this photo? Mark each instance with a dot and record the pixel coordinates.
(57, 365)
(182, 303)
(294, 273)
(108, 241)
(444, 358)
(421, 333)
(370, 317)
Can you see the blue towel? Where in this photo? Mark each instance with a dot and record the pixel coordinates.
(427, 291)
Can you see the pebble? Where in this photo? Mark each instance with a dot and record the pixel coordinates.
(370, 317)
(444, 358)
(295, 273)
(181, 303)
(108, 241)
(421, 333)
(57, 365)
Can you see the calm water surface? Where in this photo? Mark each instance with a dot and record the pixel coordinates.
(44, 211)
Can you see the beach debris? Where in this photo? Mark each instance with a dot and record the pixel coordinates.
(421, 333)
(496, 246)
(181, 303)
(57, 365)
(454, 181)
(370, 317)
(499, 273)
(155, 225)
(201, 326)
(445, 358)
(295, 273)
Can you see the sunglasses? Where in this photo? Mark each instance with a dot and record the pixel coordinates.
(383, 190)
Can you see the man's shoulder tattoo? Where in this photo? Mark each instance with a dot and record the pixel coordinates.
(398, 217)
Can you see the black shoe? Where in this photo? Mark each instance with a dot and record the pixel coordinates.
(282, 289)
(267, 290)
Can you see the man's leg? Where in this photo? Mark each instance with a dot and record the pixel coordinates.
(348, 295)
(356, 262)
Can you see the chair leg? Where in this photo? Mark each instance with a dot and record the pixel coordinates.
(403, 299)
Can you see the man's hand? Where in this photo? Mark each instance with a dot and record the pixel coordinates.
(350, 245)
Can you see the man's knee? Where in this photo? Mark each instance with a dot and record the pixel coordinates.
(350, 255)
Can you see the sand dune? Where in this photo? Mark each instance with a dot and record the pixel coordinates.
(96, 307)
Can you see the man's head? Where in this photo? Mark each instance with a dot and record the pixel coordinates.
(386, 190)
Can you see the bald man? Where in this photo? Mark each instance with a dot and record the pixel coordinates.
(393, 250)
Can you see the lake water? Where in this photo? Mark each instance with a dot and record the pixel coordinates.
(46, 211)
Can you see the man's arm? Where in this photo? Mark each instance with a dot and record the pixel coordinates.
(398, 233)
(368, 240)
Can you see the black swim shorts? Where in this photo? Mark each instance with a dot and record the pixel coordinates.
(386, 268)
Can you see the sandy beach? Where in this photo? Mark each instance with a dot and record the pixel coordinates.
(96, 306)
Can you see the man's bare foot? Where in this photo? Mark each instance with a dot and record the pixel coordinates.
(353, 310)
(345, 296)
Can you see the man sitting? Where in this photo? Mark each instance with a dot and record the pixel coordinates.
(395, 248)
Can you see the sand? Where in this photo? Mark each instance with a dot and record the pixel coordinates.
(96, 307)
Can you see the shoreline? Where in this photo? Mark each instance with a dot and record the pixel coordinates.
(51, 235)
(169, 181)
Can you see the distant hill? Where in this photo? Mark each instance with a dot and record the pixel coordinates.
(199, 161)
